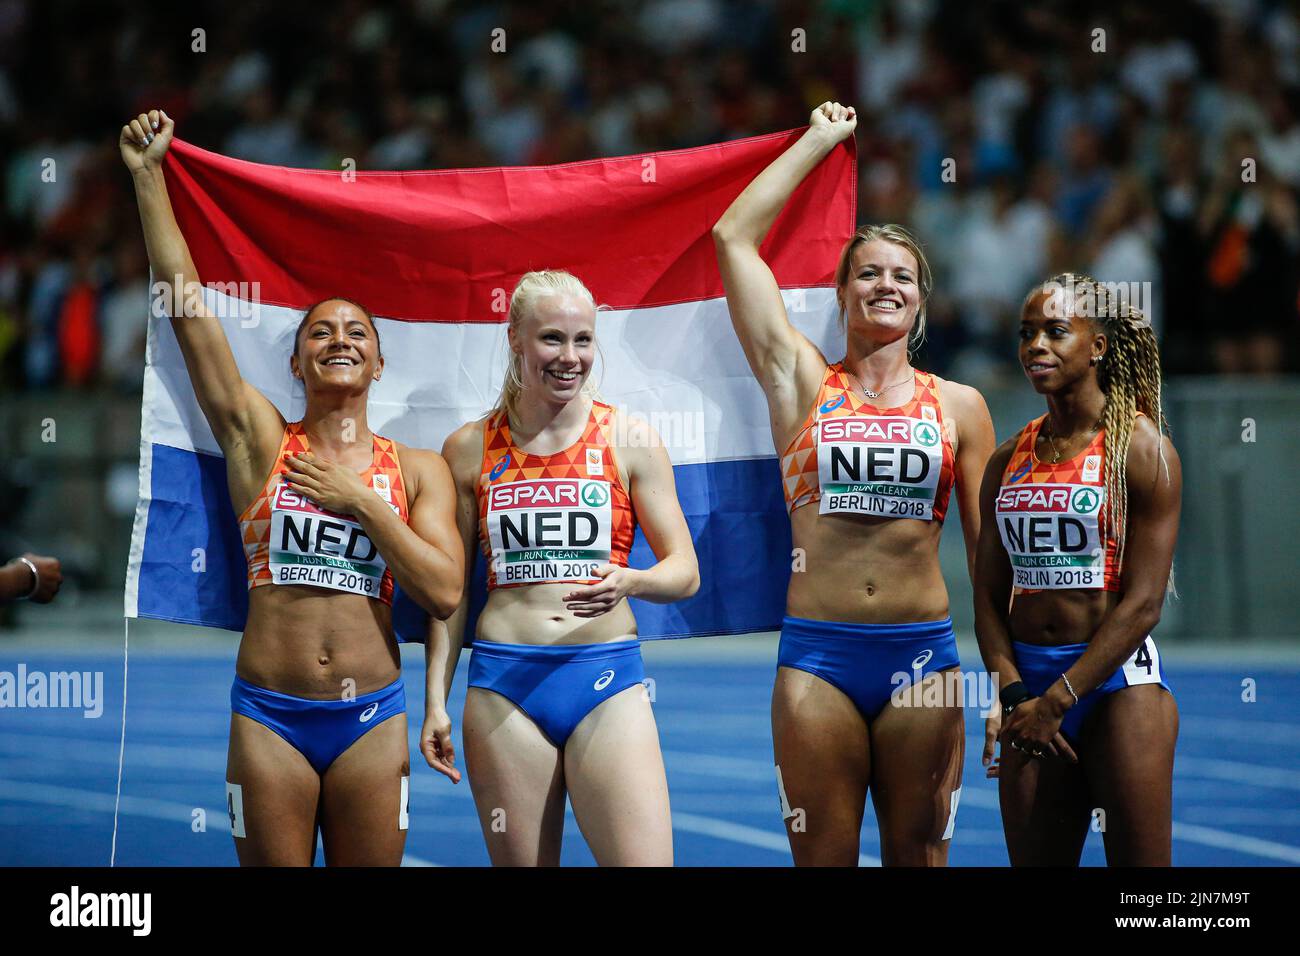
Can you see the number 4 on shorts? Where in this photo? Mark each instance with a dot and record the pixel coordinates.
(1144, 666)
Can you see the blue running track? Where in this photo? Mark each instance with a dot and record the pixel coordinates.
(1236, 788)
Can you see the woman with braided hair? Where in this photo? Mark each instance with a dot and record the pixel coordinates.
(1079, 520)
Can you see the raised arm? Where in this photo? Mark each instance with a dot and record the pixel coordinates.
(242, 419)
(445, 639)
(777, 352)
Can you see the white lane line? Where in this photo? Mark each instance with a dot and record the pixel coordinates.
(1188, 832)
(1240, 731)
(1223, 840)
(94, 801)
(1237, 772)
(97, 802)
(95, 751)
(1245, 816)
(739, 833)
(732, 768)
(1234, 771)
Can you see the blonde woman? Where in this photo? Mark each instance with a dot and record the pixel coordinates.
(552, 484)
(871, 449)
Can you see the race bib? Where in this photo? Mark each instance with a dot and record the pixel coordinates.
(888, 467)
(312, 546)
(545, 530)
(1052, 535)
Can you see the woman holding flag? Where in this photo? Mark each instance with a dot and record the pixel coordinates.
(877, 446)
(552, 484)
(331, 516)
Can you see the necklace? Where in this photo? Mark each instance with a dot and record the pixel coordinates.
(870, 394)
(1046, 429)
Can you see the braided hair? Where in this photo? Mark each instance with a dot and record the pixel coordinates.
(1128, 374)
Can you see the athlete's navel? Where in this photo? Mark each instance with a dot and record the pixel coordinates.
(871, 589)
(323, 660)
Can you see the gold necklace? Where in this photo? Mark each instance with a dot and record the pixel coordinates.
(1056, 455)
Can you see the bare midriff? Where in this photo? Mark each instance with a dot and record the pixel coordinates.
(864, 570)
(536, 614)
(309, 642)
(1053, 618)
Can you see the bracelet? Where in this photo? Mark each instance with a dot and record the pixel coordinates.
(1070, 689)
(1013, 695)
(36, 580)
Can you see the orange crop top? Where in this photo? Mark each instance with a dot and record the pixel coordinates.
(289, 540)
(856, 458)
(552, 518)
(1051, 518)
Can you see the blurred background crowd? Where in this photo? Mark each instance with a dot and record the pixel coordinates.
(1119, 152)
(1156, 143)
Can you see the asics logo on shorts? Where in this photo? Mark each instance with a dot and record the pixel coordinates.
(369, 712)
(603, 680)
(922, 659)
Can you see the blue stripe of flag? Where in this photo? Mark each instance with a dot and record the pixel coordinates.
(734, 510)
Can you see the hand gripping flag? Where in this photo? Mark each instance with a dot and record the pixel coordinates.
(435, 255)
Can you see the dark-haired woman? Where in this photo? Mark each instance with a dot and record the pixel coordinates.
(1080, 517)
(330, 516)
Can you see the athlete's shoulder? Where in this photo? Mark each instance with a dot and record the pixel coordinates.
(1001, 456)
(413, 457)
(1148, 446)
(634, 439)
(420, 466)
(963, 398)
(631, 429)
(463, 449)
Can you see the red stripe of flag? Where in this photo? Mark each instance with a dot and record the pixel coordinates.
(437, 246)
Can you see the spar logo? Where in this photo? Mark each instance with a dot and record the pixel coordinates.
(595, 495)
(888, 430)
(1085, 501)
(925, 434)
(1035, 498)
(544, 493)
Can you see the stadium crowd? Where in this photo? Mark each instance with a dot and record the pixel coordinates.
(1153, 144)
